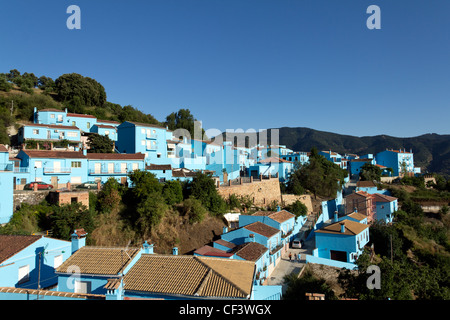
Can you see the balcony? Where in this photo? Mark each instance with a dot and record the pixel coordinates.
(276, 249)
(151, 136)
(6, 167)
(108, 172)
(50, 170)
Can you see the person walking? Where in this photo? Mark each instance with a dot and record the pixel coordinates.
(295, 257)
(290, 256)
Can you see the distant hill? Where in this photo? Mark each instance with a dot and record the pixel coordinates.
(431, 151)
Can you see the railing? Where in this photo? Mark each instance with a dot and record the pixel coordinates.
(103, 172)
(152, 136)
(57, 170)
(276, 249)
(22, 170)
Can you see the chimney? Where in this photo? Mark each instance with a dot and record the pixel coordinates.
(84, 152)
(78, 239)
(148, 248)
(251, 238)
(342, 227)
(278, 208)
(336, 216)
(225, 230)
(175, 251)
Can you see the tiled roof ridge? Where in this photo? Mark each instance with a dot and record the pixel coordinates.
(211, 271)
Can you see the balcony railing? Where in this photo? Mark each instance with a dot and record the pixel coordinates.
(22, 170)
(108, 172)
(152, 136)
(50, 170)
(276, 249)
(6, 167)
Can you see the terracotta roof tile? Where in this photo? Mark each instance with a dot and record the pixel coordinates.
(116, 156)
(77, 115)
(351, 228)
(54, 154)
(12, 244)
(250, 251)
(99, 260)
(278, 216)
(191, 276)
(158, 167)
(262, 229)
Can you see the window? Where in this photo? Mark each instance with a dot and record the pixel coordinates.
(82, 287)
(143, 142)
(57, 261)
(38, 164)
(74, 123)
(106, 133)
(76, 164)
(143, 131)
(52, 115)
(88, 125)
(72, 134)
(35, 131)
(24, 274)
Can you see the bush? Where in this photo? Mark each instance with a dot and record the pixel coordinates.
(297, 208)
(194, 210)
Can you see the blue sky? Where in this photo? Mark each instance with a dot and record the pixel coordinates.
(249, 64)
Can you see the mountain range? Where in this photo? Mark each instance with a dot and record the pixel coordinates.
(431, 151)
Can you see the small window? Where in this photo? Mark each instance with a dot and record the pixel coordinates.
(106, 133)
(76, 164)
(88, 125)
(38, 164)
(35, 131)
(52, 115)
(74, 123)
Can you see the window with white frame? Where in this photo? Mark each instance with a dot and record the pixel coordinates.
(82, 286)
(35, 131)
(52, 116)
(72, 134)
(38, 164)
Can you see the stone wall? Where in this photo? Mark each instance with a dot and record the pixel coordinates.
(28, 196)
(305, 199)
(261, 191)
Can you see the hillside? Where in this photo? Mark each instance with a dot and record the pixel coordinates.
(431, 151)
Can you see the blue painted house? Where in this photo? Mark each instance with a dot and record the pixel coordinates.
(401, 161)
(366, 186)
(102, 166)
(25, 259)
(92, 269)
(105, 130)
(6, 185)
(342, 241)
(49, 132)
(135, 137)
(386, 206)
(50, 166)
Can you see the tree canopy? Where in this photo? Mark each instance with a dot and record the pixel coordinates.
(79, 90)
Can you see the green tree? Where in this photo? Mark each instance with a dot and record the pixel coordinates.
(67, 218)
(297, 208)
(88, 90)
(307, 283)
(99, 144)
(370, 172)
(183, 119)
(172, 192)
(194, 210)
(204, 189)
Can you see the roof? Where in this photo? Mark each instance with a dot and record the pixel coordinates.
(54, 154)
(211, 251)
(53, 126)
(108, 121)
(278, 216)
(262, 229)
(115, 156)
(80, 115)
(182, 172)
(274, 160)
(51, 109)
(357, 215)
(158, 167)
(141, 124)
(359, 194)
(3, 148)
(12, 244)
(225, 243)
(365, 184)
(99, 260)
(250, 251)
(191, 276)
(351, 228)
(378, 197)
(105, 126)
(26, 291)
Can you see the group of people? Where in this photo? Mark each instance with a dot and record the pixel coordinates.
(296, 257)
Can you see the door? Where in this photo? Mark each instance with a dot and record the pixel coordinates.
(54, 182)
(97, 167)
(56, 166)
(49, 134)
(123, 168)
(110, 167)
(338, 255)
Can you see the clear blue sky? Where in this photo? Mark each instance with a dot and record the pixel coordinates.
(249, 63)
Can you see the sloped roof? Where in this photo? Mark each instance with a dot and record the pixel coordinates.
(53, 126)
(211, 251)
(357, 215)
(250, 251)
(99, 260)
(78, 115)
(278, 216)
(274, 160)
(3, 148)
(378, 197)
(116, 156)
(191, 276)
(365, 184)
(12, 244)
(262, 229)
(54, 154)
(158, 167)
(351, 228)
